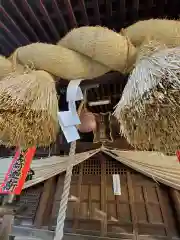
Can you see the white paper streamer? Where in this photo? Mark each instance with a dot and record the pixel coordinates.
(69, 119)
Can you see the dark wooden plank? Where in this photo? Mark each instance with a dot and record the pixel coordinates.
(132, 207)
(57, 198)
(97, 13)
(84, 12)
(175, 196)
(45, 202)
(163, 212)
(79, 193)
(122, 12)
(119, 143)
(117, 207)
(89, 202)
(103, 195)
(108, 78)
(32, 232)
(108, 10)
(81, 147)
(70, 12)
(87, 237)
(135, 10)
(154, 237)
(49, 206)
(49, 235)
(60, 15)
(147, 204)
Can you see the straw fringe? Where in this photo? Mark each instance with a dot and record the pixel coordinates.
(140, 162)
(148, 111)
(29, 106)
(155, 165)
(46, 168)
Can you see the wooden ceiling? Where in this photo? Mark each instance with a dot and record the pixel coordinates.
(26, 21)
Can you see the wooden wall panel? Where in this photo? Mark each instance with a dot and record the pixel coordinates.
(31, 197)
(142, 209)
(45, 203)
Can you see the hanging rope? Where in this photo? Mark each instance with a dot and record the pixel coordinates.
(67, 183)
(65, 195)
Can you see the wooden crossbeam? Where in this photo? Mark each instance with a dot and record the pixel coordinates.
(11, 210)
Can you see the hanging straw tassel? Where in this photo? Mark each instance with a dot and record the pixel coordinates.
(29, 107)
(149, 110)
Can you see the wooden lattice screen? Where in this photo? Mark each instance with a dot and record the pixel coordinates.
(143, 208)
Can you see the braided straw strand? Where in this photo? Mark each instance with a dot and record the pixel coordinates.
(65, 195)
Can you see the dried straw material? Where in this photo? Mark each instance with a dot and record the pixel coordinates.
(155, 165)
(149, 110)
(6, 67)
(46, 168)
(29, 106)
(159, 167)
(85, 52)
(163, 30)
(102, 45)
(148, 47)
(60, 61)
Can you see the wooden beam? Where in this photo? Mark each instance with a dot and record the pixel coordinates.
(44, 202)
(175, 196)
(26, 232)
(132, 206)
(119, 143)
(49, 235)
(108, 78)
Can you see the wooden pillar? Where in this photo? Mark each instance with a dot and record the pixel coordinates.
(6, 227)
(175, 196)
(103, 196)
(45, 203)
(132, 206)
(163, 211)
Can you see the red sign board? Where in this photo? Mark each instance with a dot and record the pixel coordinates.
(17, 172)
(178, 155)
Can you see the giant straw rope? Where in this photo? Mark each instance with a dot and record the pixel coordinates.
(85, 52)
